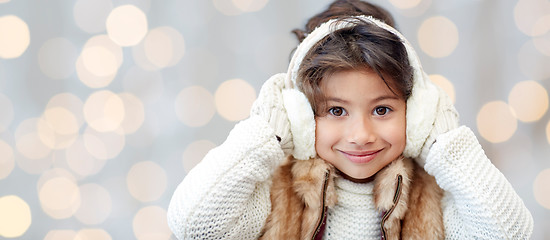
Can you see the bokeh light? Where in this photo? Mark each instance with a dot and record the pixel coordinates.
(90, 15)
(134, 113)
(7, 160)
(163, 46)
(126, 25)
(92, 234)
(60, 235)
(95, 204)
(81, 161)
(6, 108)
(15, 36)
(58, 128)
(541, 190)
(496, 122)
(530, 16)
(234, 99)
(150, 224)
(59, 197)
(227, 7)
(28, 140)
(104, 111)
(102, 62)
(15, 216)
(529, 99)
(542, 43)
(444, 84)
(195, 152)
(146, 181)
(405, 4)
(438, 36)
(104, 145)
(250, 5)
(70, 102)
(194, 106)
(533, 63)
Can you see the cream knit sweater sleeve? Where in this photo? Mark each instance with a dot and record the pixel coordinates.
(479, 202)
(226, 196)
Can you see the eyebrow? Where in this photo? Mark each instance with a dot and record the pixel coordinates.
(378, 99)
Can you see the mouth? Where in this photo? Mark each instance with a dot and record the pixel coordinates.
(361, 157)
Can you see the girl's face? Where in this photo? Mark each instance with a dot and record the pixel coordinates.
(362, 128)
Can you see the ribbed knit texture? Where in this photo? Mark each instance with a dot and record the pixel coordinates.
(355, 215)
(226, 196)
(479, 202)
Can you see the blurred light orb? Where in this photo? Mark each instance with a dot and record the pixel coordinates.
(542, 44)
(104, 145)
(59, 197)
(6, 108)
(438, 36)
(92, 234)
(195, 106)
(95, 206)
(195, 152)
(146, 181)
(60, 235)
(80, 161)
(70, 102)
(163, 46)
(15, 216)
(529, 16)
(532, 62)
(444, 84)
(57, 128)
(227, 7)
(7, 160)
(28, 141)
(104, 111)
(405, 4)
(4, 1)
(56, 58)
(150, 223)
(99, 61)
(496, 122)
(529, 99)
(90, 15)
(234, 99)
(95, 62)
(541, 190)
(250, 5)
(126, 25)
(15, 36)
(134, 113)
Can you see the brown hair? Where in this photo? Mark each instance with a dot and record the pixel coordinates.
(361, 47)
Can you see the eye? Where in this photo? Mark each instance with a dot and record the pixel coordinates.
(381, 111)
(337, 111)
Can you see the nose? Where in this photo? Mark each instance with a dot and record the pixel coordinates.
(361, 131)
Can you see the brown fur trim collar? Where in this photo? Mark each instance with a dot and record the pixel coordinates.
(303, 190)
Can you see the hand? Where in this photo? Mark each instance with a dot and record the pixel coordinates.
(446, 119)
(269, 105)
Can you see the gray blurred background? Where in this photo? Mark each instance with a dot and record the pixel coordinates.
(105, 105)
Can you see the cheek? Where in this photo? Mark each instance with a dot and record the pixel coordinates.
(324, 135)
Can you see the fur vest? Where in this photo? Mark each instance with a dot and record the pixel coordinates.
(408, 198)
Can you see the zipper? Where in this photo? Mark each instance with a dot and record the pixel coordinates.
(396, 197)
(323, 207)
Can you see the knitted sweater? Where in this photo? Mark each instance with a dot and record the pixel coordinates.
(355, 215)
(226, 196)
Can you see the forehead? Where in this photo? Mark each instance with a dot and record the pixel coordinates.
(355, 83)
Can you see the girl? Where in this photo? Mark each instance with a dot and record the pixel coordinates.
(343, 146)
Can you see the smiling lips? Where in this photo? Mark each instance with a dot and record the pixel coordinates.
(360, 156)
